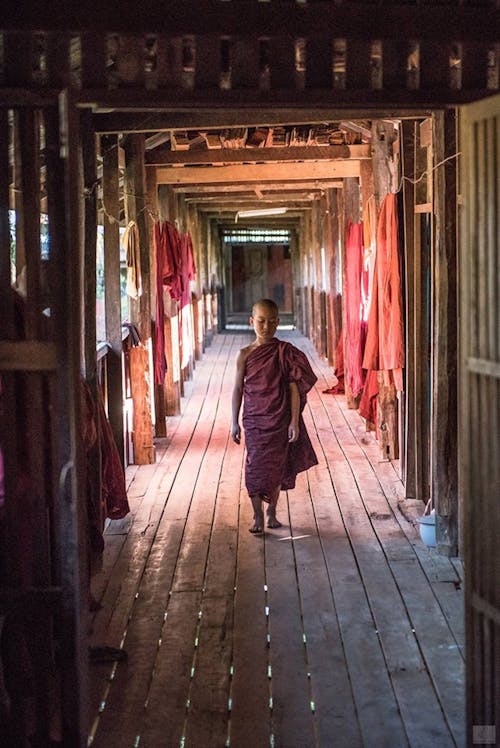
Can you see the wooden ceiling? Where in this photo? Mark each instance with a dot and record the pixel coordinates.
(223, 171)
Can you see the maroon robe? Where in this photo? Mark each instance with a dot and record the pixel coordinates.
(271, 460)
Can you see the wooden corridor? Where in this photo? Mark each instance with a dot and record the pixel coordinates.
(339, 629)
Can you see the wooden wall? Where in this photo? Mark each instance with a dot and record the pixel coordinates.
(479, 425)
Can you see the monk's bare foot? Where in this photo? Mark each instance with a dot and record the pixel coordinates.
(258, 524)
(272, 521)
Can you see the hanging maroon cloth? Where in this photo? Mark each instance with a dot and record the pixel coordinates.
(271, 460)
(355, 327)
(114, 492)
(167, 251)
(368, 403)
(187, 267)
(384, 349)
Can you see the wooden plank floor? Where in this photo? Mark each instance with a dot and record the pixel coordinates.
(339, 629)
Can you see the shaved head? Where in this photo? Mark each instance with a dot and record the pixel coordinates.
(268, 304)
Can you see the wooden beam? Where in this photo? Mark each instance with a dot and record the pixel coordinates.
(273, 198)
(257, 155)
(166, 114)
(265, 189)
(349, 103)
(27, 355)
(355, 20)
(256, 172)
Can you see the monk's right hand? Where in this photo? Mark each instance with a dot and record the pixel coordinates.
(236, 433)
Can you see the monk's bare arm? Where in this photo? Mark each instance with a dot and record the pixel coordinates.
(238, 395)
(293, 428)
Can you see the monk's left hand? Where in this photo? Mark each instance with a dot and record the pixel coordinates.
(293, 433)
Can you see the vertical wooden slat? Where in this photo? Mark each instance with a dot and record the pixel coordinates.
(29, 216)
(89, 217)
(474, 66)
(64, 193)
(111, 205)
(282, 56)
(130, 60)
(444, 337)
(318, 65)
(394, 63)
(136, 209)
(93, 46)
(58, 62)
(335, 272)
(159, 394)
(36, 425)
(18, 58)
(245, 63)
(6, 309)
(434, 66)
(207, 62)
(358, 65)
(168, 57)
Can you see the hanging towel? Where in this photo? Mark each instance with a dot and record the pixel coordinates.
(130, 243)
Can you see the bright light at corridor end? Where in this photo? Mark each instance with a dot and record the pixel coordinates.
(258, 212)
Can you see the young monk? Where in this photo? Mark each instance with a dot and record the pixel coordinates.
(272, 379)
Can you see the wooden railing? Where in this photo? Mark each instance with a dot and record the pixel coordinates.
(250, 51)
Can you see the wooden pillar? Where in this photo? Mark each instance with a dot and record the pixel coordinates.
(136, 210)
(159, 393)
(65, 198)
(112, 304)
(410, 402)
(352, 215)
(385, 180)
(197, 306)
(444, 454)
(89, 217)
(335, 300)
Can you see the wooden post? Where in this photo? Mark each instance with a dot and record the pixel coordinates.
(144, 453)
(89, 217)
(136, 208)
(197, 305)
(111, 205)
(384, 176)
(64, 198)
(352, 214)
(444, 454)
(410, 405)
(159, 394)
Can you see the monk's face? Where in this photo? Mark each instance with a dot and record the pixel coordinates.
(264, 322)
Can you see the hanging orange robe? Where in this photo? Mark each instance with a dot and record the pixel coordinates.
(384, 348)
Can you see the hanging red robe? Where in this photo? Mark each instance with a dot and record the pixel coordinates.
(167, 251)
(384, 349)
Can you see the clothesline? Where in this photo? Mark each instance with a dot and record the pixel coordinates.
(426, 173)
